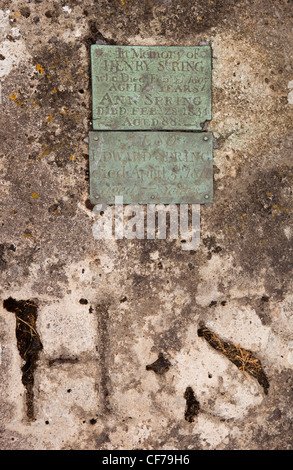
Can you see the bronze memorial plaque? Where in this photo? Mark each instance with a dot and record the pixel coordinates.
(151, 167)
(151, 87)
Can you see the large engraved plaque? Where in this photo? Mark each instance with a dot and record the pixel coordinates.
(151, 87)
(151, 167)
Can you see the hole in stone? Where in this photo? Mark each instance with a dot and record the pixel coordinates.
(160, 366)
(192, 405)
(89, 205)
(25, 12)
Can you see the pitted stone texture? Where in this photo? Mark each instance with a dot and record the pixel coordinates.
(67, 328)
(150, 296)
(66, 395)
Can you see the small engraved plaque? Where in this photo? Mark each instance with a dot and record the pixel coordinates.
(151, 167)
(151, 87)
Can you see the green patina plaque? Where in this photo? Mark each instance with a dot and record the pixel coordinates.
(151, 87)
(151, 167)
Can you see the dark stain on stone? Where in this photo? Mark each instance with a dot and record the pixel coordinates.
(141, 284)
(102, 311)
(25, 11)
(101, 439)
(175, 18)
(266, 202)
(57, 90)
(62, 360)
(209, 242)
(278, 424)
(96, 36)
(53, 208)
(171, 339)
(28, 344)
(3, 262)
(192, 405)
(261, 309)
(160, 366)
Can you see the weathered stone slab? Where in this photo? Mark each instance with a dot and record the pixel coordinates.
(151, 167)
(151, 87)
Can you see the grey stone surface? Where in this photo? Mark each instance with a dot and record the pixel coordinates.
(91, 387)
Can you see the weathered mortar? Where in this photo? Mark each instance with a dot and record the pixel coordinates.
(146, 297)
